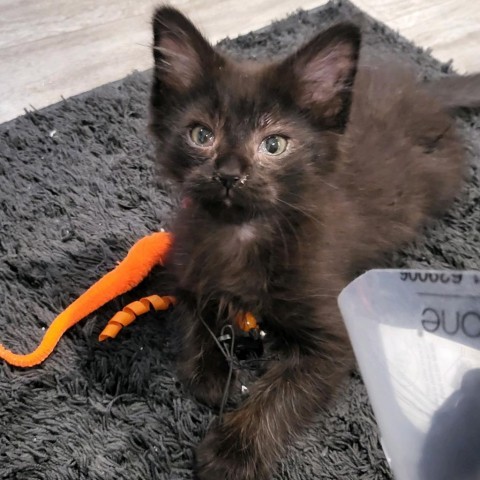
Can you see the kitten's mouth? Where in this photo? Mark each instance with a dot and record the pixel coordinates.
(232, 203)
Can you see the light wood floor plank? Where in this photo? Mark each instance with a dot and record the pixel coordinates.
(451, 28)
(58, 48)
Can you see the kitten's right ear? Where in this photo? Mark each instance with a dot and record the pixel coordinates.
(182, 55)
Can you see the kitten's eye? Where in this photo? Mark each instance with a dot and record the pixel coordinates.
(274, 145)
(201, 136)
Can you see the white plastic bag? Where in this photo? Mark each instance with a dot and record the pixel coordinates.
(416, 337)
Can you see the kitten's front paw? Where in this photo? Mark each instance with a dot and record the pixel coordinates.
(221, 456)
(208, 389)
(206, 385)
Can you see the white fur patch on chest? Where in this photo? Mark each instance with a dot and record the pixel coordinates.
(245, 233)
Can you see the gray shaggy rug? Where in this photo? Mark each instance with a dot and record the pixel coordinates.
(76, 190)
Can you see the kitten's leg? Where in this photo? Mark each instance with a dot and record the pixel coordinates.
(200, 365)
(282, 403)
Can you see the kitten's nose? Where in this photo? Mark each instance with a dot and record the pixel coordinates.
(226, 179)
(228, 171)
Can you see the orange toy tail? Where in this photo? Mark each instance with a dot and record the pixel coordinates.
(132, 311)
(142, 257)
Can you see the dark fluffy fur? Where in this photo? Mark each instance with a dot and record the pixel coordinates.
(372, 155)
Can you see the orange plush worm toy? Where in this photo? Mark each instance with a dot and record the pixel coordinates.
(140, 260)
(142, 257)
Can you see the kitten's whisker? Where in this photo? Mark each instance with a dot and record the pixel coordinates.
(284, 240)
(291, 226)
(320, 179)
(304, 297)
(300, 210)
(331, 185)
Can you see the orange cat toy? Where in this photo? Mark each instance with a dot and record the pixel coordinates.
(142, 257)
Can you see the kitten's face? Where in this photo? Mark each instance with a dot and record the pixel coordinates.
(242, 139)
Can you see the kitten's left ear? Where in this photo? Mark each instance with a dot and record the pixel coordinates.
(181, 53)
(323, 73)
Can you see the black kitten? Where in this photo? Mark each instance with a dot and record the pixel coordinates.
(294, 175)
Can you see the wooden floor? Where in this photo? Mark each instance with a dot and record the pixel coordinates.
(55, 48)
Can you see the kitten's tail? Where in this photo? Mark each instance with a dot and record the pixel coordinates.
(457, 91)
